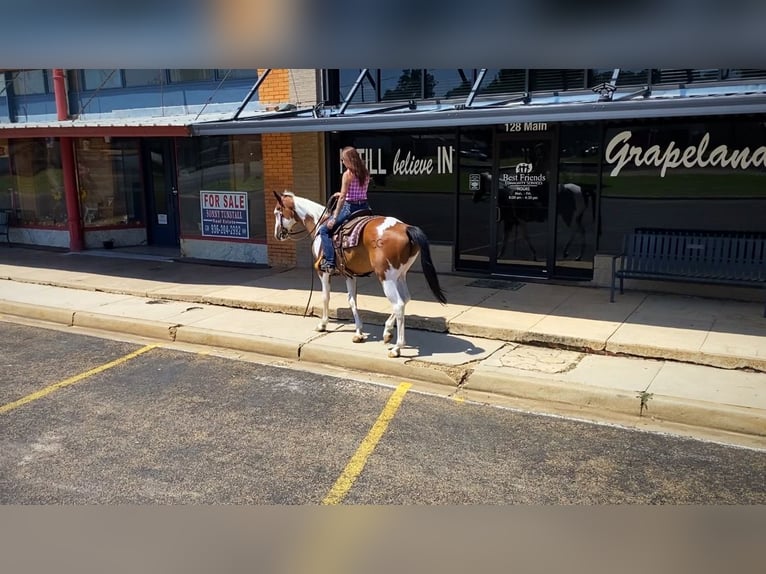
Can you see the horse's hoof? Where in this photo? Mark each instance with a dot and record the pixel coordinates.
(321, 328)
(393, 353)
(358, 338)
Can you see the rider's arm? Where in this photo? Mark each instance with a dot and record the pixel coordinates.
(345, 181)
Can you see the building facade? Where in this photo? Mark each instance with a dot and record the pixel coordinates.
(105, 158)
(540, 173)
(511, 173)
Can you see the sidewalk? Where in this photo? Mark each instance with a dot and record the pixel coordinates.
(695, 361)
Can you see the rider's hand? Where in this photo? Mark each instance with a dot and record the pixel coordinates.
(331, 223)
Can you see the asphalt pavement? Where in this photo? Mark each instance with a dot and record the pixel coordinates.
(695, 362)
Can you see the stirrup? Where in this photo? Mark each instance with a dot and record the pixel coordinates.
(325, 267)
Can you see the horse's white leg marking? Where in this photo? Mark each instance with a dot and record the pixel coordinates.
(325, 279)
(351, 289)
(392, 293)
(388, 328)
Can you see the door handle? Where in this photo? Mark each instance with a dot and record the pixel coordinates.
(499, 215)
(175, 191)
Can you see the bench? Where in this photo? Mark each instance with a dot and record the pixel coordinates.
(696, 257)
(5, 224)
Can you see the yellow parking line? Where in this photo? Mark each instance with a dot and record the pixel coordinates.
(356, 464)
(72, 380)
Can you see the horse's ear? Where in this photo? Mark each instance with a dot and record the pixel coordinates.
(279, 198)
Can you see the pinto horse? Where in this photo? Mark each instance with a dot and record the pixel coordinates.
(387, 248)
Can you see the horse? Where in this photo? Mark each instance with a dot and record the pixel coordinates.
(387, 248)
(573, 203)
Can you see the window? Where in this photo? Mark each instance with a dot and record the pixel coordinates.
(503, 81)
(187, 75)
(109, 181)
(556, 80)
(31, 175)
(29, 82)
(448, 83)
(100, 79)
(366, 92)
(238, 74)
(144, 77)
(402, 84)
(220, 163)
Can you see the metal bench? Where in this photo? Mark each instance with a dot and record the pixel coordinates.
(694, 257)
(5, 224)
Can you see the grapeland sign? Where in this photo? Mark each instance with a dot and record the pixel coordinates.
(621, 152)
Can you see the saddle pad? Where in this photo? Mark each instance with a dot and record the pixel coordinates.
(349, 233)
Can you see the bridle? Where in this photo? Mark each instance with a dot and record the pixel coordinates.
(285, 233)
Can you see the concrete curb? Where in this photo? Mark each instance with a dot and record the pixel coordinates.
(695, 357)
(140, 327)
(405, 368)
(691, 412)
(238, 342)
(39, 312)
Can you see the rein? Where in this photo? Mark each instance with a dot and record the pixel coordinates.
(313, 235)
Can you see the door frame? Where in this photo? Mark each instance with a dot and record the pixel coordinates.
(546, 271)
(167, 148)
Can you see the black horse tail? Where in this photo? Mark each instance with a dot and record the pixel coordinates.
(417, 236)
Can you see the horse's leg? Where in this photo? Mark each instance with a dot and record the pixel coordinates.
(351, 289)
(390, 288)
(388, 328)
(325, 279)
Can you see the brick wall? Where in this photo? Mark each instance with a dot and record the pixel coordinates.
(293, 162)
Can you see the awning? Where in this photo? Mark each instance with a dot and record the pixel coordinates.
(100, 126)
(677, 102)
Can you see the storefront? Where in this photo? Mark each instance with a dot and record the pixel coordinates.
(141, 191)
(553, 200)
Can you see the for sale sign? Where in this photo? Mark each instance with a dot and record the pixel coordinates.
(224, 214)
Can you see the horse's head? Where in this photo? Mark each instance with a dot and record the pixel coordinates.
(285, 216)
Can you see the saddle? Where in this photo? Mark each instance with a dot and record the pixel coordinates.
(347, 236)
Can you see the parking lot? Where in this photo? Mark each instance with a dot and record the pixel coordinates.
(87, 419)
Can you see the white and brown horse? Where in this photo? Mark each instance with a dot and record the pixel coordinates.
(387, 248)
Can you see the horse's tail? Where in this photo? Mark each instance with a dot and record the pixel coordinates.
(417, 236)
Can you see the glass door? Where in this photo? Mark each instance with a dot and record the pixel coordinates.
(162, 192)
(522, 180)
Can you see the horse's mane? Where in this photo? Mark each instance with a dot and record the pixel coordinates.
(310, 207)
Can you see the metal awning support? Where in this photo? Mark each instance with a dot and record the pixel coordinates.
(475, 88)
(353, 90)
(411, 105)
(644, 92)
(251, 93)
(524, 98)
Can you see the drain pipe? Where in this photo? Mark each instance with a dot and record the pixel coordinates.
(68, 167)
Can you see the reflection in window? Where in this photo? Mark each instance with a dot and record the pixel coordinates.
(503, 81)
(556, 80)
(109, 181)
(237, 74)
(403, 84)
(190, 75)
(144, 77)
(450, 83)
(30, 174)
(220, 163)
(366, 92)
(101, 79)
(29, 82)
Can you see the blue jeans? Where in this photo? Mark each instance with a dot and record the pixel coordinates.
(326, 234)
